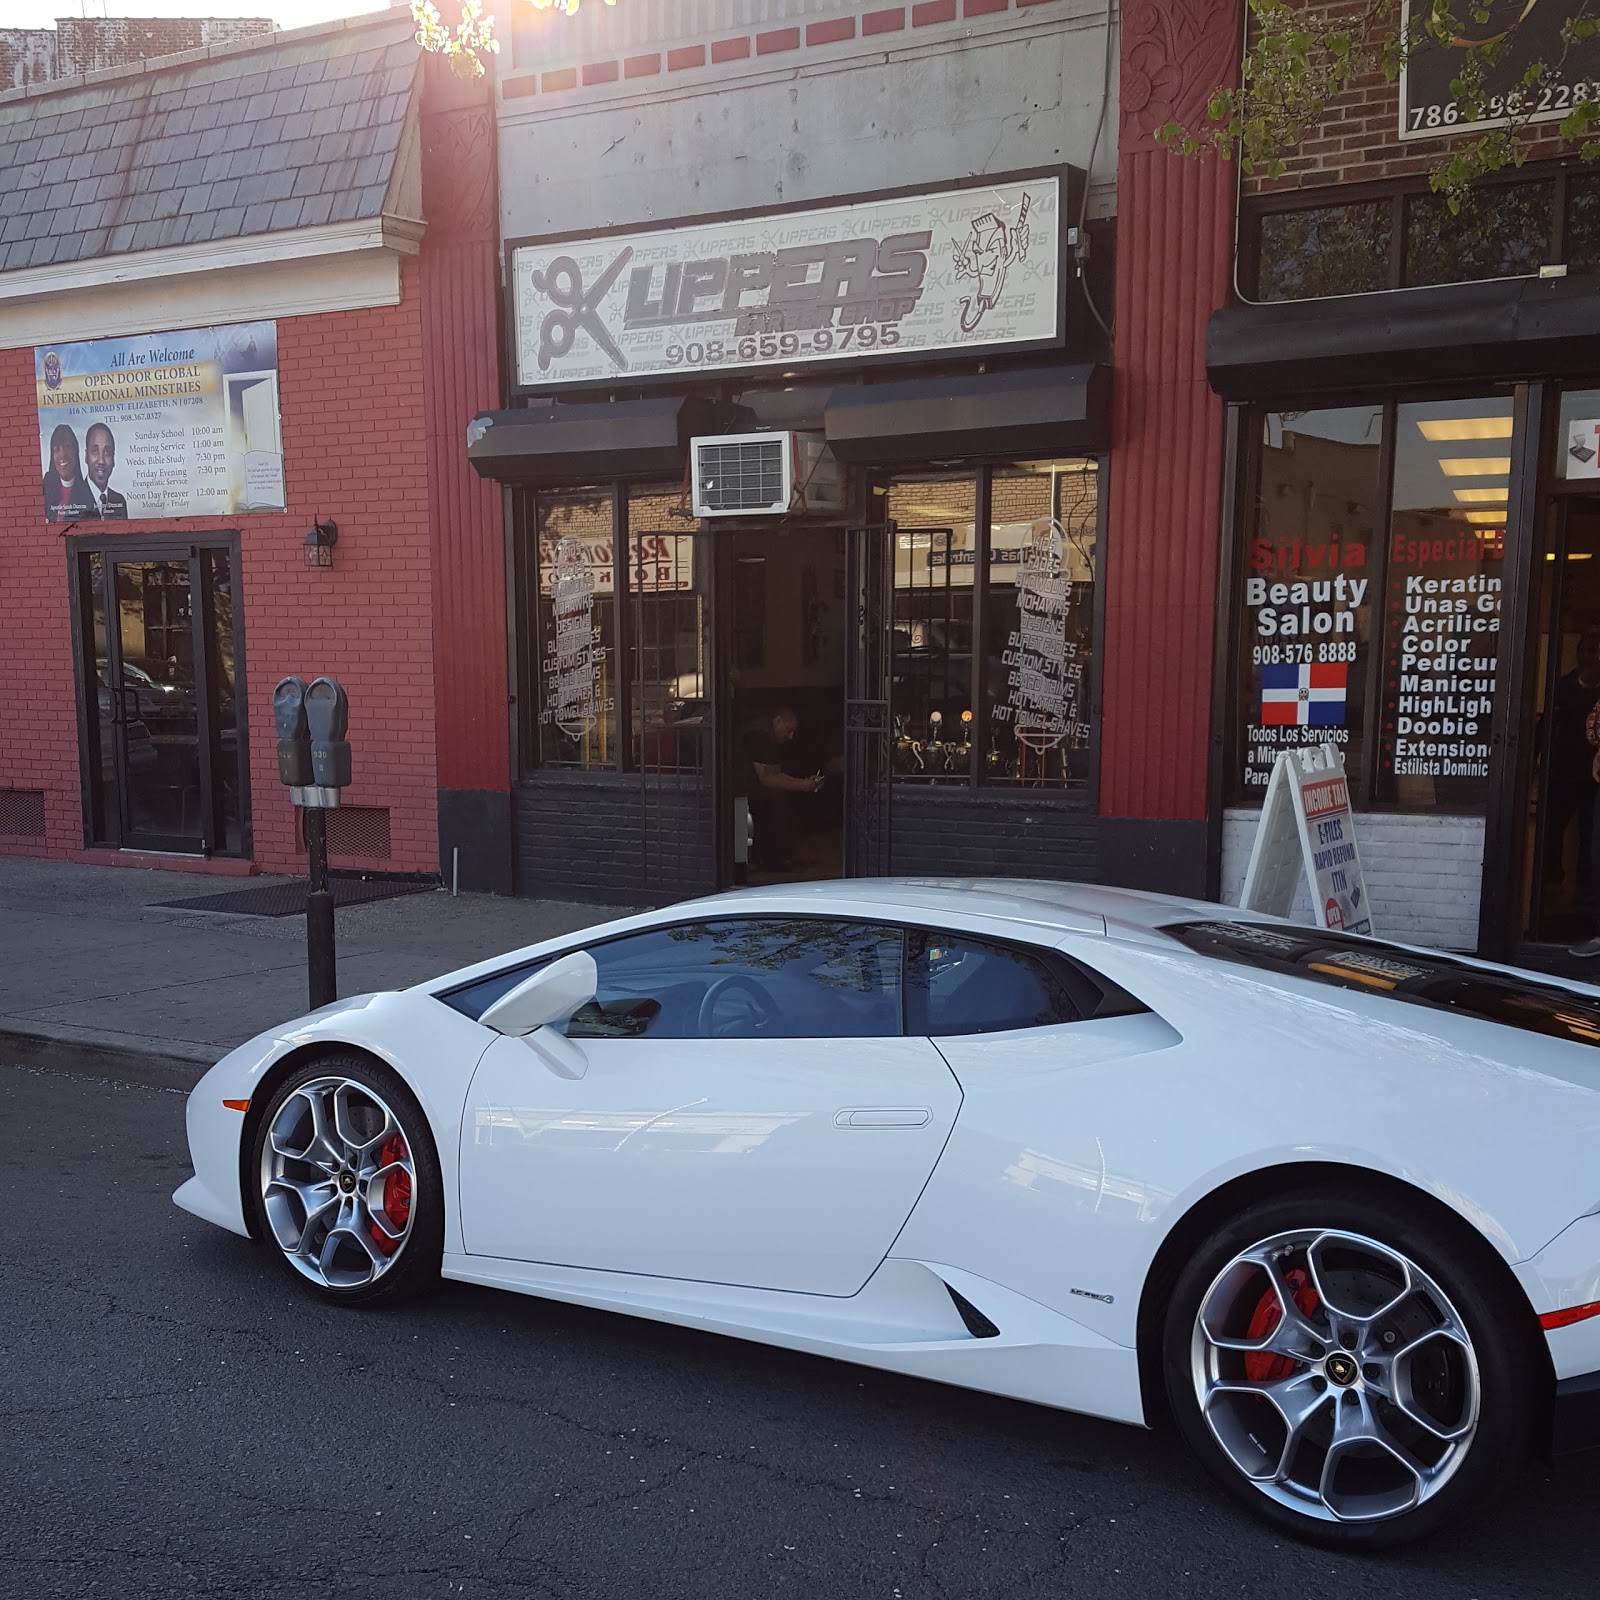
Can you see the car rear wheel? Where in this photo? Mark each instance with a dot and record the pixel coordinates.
(1346, 1371)
(344, 1182)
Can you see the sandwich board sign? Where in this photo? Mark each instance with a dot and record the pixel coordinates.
(1306, 827)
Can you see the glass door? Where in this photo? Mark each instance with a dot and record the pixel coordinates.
(1563, 893)
(162, 733)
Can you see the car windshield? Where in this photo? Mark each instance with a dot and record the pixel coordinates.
(1440, 982)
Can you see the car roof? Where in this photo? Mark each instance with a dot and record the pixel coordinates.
(1042, 905)
(1038, 902)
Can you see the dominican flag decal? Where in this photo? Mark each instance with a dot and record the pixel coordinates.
(1303, 696)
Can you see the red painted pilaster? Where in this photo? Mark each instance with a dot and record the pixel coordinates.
(461, 365)
(1174, 246)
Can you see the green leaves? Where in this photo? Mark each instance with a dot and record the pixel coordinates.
(465, 48)
(474, 36)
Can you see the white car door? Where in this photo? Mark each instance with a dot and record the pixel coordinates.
(750, 1112)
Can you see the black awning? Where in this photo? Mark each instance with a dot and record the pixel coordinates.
(1481, 332)
(1032, 411)
(556, 443)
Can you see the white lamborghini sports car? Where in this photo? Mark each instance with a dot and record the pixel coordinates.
(1330, 1204)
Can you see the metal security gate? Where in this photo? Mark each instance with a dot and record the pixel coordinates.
(867, 753)
(670, 587)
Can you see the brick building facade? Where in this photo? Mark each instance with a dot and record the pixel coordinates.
(361, 622)
(831, 103)
(277, 192)
(1308, 393)
(1408, 391)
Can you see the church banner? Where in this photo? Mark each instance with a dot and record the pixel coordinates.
(181, 424)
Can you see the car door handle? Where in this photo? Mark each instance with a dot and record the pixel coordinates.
(883, 1117)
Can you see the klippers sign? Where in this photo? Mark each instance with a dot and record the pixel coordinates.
(963, 268)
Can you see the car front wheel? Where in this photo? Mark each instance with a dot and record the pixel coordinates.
(1347, 1372)
(344, 1182)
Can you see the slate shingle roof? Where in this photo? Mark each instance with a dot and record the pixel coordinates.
(211, 145)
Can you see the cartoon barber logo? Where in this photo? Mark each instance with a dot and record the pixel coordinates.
(984, 257)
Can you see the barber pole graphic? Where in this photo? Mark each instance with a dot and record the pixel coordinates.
(1305, 696)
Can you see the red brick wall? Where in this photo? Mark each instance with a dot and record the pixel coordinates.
(1359, 141)
(351, 396)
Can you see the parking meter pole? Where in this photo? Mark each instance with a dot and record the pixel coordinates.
(319, 912)
(314, 766)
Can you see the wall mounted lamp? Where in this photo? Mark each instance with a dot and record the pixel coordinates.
(320, 542)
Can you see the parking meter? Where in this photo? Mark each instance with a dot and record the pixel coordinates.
(294, 733)
(314, 764)
(328, 713)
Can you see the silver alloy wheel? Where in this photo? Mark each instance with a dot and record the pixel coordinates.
(337, 1183)
(1336, 1375)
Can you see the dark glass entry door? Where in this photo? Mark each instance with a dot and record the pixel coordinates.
(160, 707)
(1563, 890)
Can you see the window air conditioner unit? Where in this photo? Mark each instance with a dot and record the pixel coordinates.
(764, 475)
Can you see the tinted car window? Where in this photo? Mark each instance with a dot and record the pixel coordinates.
(957, 984)
(473, 999)
(750, 978)
(745, 978)
(1440, 982)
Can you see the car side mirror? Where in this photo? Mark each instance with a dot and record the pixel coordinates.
(550, 996)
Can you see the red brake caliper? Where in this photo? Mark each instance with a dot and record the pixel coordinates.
(396, 1195)
(1261, 1366)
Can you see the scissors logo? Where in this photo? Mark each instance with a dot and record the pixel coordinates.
(562, 284)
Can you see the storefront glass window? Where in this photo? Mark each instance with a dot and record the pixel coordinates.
(1452, 470)
(1028, 570)
(577, 625)
(667, 645)
(1324, 250)
(931, 689)
(1502, 231)
(1306, 601)
(1582, 231)
(1039, 622)
(1505, 229)
(1578, 438)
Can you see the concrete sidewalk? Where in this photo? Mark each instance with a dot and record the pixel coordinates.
(96, 975)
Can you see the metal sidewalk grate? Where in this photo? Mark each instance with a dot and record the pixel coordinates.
(289, 899)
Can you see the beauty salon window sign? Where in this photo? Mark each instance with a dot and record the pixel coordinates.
(1382, 641)
(1306, 600)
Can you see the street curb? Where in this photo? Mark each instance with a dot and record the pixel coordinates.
(80, 1058)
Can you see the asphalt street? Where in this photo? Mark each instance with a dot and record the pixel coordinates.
(177, 1419)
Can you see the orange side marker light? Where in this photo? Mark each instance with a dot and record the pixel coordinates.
(237, 1105)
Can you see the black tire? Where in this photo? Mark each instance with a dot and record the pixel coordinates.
(1461, 1269)
(402, 1268)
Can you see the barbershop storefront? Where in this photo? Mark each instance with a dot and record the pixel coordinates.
(1412, 550)
(843, 461)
